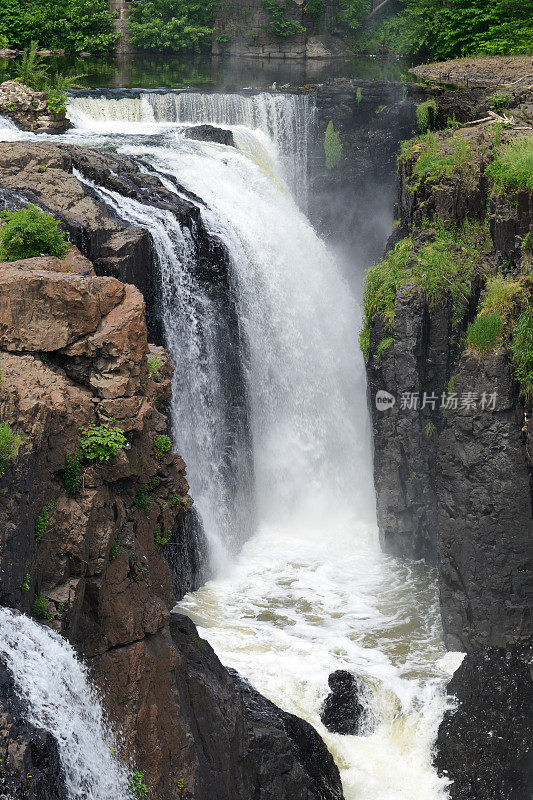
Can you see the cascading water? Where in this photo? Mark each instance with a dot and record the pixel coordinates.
(310, 591)
(57, 694)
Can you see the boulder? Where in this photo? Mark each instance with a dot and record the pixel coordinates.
(208, 133)
(287, 758)
(29, 109)
(343, 712)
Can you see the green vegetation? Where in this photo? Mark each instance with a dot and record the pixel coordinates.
(162, 444)
(513, 166)
(115, 550)
(100, 443)
(57, 101)
(28, 233)
(40, 610)
(499, 101)
(160, 539)
(383, 345)
(430, 429)
(74, 25)
(280, 24)
(136, 786)
(142, 500)
(522, 350)
(485, 331)
(425, 115)
(177, 501)
(9, 445)
(71, 475)
(154, 365)
(441, 267)
(41, 523)
(332, 146)
(26, 583)
(436, 31)
(437, 159)
(171, 25)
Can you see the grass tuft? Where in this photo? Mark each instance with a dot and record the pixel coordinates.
(513, 167)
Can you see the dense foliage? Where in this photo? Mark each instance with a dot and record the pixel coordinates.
(28, 233)
(171, 25)
(100, 443)
(438, 30)
(74, 25)
(280, 24)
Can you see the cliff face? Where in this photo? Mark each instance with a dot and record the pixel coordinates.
(452, 440)
(100, 551)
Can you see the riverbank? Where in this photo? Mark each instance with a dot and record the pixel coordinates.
(480, 71)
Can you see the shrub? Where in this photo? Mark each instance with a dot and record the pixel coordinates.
(171, 25)
(9, 445)
(162, 444)
(332, 146)
(142, 500)
(485, 331)
(26, 583)
(430, 429)
(71, 475)
(425, 115)
(115, 550)
(40, 608)
(57, 101)
(100, 443)
(177, 501)
(28, 233)
(4, 42)
(522, 350)
(499, 100)
(136, 786)
(41, 523)
(513, 166)
(280, 24)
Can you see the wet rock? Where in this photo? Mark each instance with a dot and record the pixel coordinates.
(208, 133)
(343, 711)
(29, 758)
(287, 758)
(485, 745)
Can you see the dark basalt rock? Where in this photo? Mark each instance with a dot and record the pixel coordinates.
(208, 133)
(29, 758)
(343, 712)
(187, 555)
(485, 746)
(287, 758)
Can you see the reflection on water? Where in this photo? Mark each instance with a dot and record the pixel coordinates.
(147, 71)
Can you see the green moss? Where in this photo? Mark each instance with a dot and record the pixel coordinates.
(485, 331)
(154, 365)
(9, 445)
(383, 345)
(142, 500)
(425, 115)
(332, 146)
(437, 159)
(71, 475)
(442, 267)
(522, 350)
(41, 523)
(115, 550)
(364, 340)
(513, 166)
(160, 539)
(26, 583)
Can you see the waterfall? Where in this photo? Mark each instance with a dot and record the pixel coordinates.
(285, 120)
(55, 689)
(277, 440)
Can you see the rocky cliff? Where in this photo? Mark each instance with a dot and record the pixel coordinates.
(99, 549)
(448, 346)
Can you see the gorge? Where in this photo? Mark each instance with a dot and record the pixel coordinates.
(265, 395)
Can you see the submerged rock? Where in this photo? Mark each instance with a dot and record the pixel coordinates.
(485, 746)
(287, 758)
(208, 133)
(343, 712)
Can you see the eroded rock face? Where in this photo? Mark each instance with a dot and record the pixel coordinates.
(485, 745)
(287, 758)
(29, 109)
(344, 711)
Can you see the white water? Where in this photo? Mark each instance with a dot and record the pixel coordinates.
(310, 591)
(55, 688)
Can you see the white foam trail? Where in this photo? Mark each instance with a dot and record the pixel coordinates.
(59, 698)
